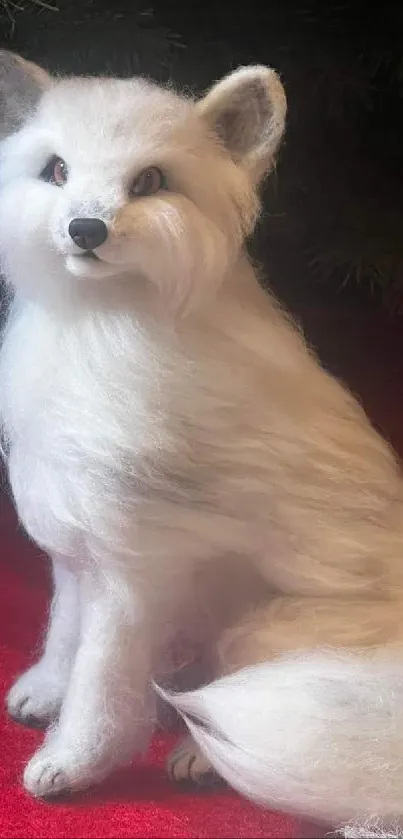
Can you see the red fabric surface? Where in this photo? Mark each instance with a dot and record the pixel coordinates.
(137, 802)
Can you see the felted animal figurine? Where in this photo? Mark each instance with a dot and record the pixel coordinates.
(176, 449)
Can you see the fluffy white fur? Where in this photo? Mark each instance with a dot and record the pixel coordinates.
(178, 452)
(321, 734)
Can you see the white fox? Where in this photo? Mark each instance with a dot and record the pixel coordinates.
(183, 459)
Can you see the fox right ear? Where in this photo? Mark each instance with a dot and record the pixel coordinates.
(247, 111)
(21, 86)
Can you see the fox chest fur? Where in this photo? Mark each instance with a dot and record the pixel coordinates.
(100, 416)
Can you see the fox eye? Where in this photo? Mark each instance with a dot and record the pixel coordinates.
(55, 171)
(148, 183)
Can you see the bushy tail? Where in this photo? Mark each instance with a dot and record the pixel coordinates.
(321, 735)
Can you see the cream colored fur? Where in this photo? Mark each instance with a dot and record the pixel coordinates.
(177, 450)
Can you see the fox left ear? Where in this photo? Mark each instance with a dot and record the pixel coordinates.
(247, 111)
(21, 86)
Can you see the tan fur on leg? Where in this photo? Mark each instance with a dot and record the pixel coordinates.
(292, 624)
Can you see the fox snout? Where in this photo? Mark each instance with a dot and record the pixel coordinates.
(88, 233)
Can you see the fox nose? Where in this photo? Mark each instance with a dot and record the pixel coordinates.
(88, 233)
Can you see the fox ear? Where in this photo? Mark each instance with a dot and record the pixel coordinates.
(21, 86)
(247, 111)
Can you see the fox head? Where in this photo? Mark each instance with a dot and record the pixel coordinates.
(121, 181)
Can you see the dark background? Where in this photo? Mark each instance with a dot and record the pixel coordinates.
(332, 231)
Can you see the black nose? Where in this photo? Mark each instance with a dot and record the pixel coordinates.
(88, 233)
